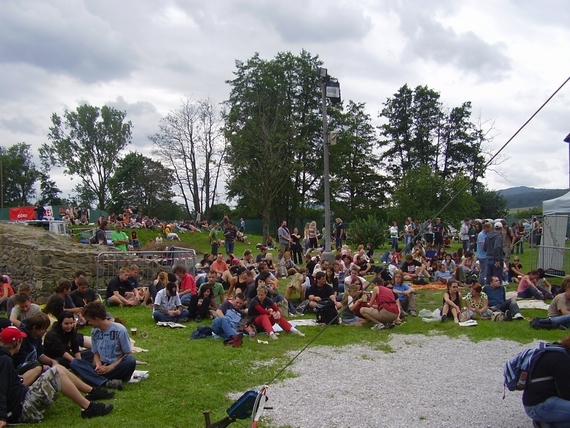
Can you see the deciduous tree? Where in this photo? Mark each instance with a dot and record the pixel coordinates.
(87, 143)
(19, 175)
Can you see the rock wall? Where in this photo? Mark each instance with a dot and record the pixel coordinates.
(41, 259)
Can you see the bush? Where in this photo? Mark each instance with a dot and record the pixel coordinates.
(368, 230)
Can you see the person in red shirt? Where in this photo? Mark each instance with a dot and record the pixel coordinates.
(383, 310)
(187, 284)
(219, 265)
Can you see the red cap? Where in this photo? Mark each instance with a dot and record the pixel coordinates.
(11, 334)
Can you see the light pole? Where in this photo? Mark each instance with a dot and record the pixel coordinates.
(567, 140)
(330, 88)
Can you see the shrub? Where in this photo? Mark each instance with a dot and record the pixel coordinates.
(367, 230)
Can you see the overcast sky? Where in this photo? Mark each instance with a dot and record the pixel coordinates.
(145, 56)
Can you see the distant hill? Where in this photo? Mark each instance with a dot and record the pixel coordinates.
(524, 197)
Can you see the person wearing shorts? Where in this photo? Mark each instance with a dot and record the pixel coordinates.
(21, 404)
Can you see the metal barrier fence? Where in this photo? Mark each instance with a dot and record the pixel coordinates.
(554, 260)
(108, 264)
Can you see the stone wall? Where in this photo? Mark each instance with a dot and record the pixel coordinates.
(41, 259)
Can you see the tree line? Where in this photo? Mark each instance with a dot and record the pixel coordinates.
(263, 146)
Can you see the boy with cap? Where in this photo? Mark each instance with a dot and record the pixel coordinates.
(167, 305)
(22, 404)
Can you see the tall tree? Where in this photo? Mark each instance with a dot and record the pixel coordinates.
(190, 142)
(19, 175)
(140, 181)
(357, 187)
(49, 192)
(272, 126)
(87, 143)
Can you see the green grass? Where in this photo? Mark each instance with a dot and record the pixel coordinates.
(188, 377)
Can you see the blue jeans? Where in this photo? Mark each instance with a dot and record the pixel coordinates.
(531, 292)
(159, 316)
(561, 320)
(223, 327)
(229, 247)
(394, 243)
(555, 412)
(408, 241)
(86, 371)
(492, 270)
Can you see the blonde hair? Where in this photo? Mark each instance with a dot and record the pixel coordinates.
(565, 282)
(351, 287)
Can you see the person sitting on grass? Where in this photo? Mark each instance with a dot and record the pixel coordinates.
(442, 275)
(296, 284)
(320, 291)
(352, 300)
(263, 314)
(23, 309)
(528, 288)
(404, 293)
(83, 294)
(62, 342)
(516, 270)
(22, 404)
(120, 291)
(413, 269)
(383, 310)
(6, 291)
(544, 283)
(167, 306)
(498, 301)
(286, 265)
(355, 278)
(200, 304)
(452, 302)
(187, 283)
(559, 309)
(229, 318)
(112, 352)
(478, 303)
(217, 287)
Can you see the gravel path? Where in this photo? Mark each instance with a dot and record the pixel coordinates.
(426, 381)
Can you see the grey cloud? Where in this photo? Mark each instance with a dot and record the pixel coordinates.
(20, 124)
(65, 40)
(429, 40)
(139, 108)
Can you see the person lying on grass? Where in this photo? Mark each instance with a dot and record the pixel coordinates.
(230, 316)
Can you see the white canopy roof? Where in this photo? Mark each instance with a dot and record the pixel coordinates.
(560, 205)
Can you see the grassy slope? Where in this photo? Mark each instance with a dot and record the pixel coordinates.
(189, 376)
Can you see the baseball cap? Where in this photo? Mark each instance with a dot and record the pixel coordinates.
(6, 278)
(11, 334)
(498, 225)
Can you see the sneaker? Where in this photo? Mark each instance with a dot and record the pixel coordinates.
(183, 319)
(518, 316)
(508, 315)
(562, 327)
(403, 314)
(297, 332)
(235, 340)
(99, 394)
(96, 409)
(413, 313)
(456, 321)
(378, 326)
(273, 336)
(390, 325)
(198, 319)
(443, 318)
(114, 384)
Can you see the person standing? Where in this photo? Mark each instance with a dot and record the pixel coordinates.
(508, 241)
(494, 248)
(230, 233)
(213, 237)
(284, 237)
(438, 232)
(339, 233)
(482, 252)
(464, 232)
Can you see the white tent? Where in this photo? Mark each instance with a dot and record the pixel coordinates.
(560, 205)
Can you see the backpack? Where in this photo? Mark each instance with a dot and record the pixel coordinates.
(517, 371)
(326, 312)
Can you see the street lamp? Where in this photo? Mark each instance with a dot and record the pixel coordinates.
(567, 140)
(330, 88)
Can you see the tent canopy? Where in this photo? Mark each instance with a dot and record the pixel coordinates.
(560, 205)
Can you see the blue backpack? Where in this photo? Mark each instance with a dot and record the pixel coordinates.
(517, 372)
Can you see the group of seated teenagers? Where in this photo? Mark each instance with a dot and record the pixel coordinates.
(42, 353)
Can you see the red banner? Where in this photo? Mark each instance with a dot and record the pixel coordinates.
(22, 214)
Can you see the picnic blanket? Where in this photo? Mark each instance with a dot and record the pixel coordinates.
(528, 303)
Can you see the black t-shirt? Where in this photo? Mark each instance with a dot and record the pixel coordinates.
(117, 285)
(81, 299)
(551, 363)
(311, 266)
(324, 293)
(410, 267)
